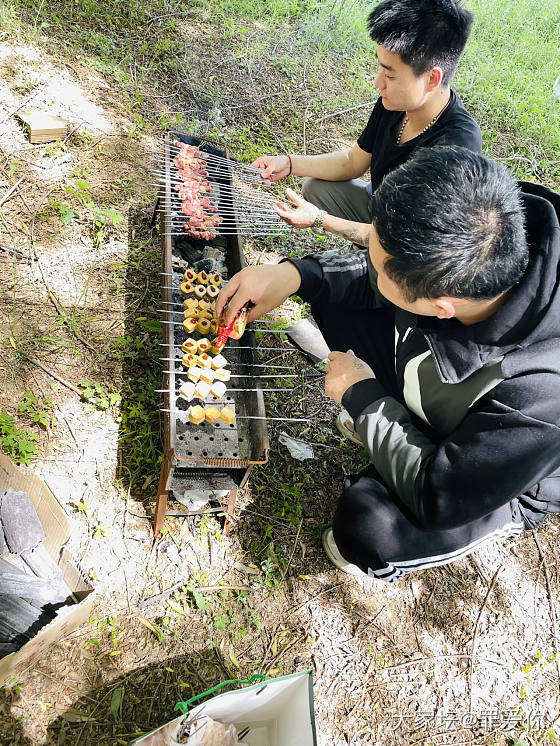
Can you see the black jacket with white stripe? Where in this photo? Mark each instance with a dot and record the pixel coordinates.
(486, 397)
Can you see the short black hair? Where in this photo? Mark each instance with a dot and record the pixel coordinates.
(425, 33)
(453, 223)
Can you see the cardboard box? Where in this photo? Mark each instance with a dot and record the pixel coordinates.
(57, 529)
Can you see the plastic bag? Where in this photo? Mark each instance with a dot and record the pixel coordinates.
(207, 732)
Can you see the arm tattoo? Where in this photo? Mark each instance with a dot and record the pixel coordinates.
(355, 235)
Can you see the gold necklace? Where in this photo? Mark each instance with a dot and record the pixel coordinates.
(427, 127)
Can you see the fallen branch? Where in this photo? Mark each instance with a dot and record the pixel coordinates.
(11, 191)
(56, 377)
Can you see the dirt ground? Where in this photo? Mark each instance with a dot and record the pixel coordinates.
(454, 655)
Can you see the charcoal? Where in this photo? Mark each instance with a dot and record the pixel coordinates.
(8, 647)
(190, 253)
(3, 545)
(38, 560)
(13, 582)
(17, 561)
(17, 617)
(205, 265)
(22, 527)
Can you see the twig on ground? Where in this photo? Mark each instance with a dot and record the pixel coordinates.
(475, 632)
(313, 598)
(11, 192)
(293, 550)
(56, 377)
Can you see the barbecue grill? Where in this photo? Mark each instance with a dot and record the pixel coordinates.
(215, 457)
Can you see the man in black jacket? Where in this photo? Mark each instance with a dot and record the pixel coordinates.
(420, 43)
(446, 352)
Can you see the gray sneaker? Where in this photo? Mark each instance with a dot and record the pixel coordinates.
(336, 558)
(342, 422)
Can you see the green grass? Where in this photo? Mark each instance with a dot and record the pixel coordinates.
(506, 77)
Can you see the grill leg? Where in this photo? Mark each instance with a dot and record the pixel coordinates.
(232, 497)
(161, 502)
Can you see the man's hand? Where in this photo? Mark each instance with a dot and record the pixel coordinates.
(265, 285)
(273, 167)
(303, 216)
(343, 370)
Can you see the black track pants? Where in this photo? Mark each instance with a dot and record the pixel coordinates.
(376, 534)
(371, 528)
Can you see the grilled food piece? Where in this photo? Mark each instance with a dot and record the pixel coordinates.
(207, 375)
(219, 362)
(218, 389)
(190, 345)
(227, 415)
(196, 414)
(190, 360)
(212, 414)
(202, 389)
(193, 374)
(189, 325)
(186, 390)
(223, 374)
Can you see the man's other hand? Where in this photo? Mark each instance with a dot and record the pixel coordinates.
(304, 214)
(266, 286)
(343, 370)
(273, 167)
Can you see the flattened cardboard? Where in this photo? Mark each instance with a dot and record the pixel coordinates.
(57, 529)
(43, 127)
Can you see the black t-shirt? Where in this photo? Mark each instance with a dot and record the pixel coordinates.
(454, 127)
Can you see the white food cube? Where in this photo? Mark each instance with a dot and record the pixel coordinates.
(207, 375)
(202, 390)
(187, 390)
(218, 389)
(194, 373)
(219, 361)
(222, 374)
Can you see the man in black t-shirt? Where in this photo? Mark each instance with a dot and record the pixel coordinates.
(420, 43)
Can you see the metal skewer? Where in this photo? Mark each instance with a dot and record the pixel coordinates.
(246, 416)
(246, 347)
(246, 365)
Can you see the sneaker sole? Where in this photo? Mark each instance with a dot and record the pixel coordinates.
(347, 433)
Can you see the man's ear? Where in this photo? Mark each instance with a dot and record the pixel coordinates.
(436, 76)
(444, 307)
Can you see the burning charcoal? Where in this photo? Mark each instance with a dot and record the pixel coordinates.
(17, 617)
(205, 265)
(40, 563)
(22, 527)
(13, 582)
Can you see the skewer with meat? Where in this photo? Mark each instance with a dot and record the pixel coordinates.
(200, 211)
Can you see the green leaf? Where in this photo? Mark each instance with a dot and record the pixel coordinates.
(199, 600)
(116, 702)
